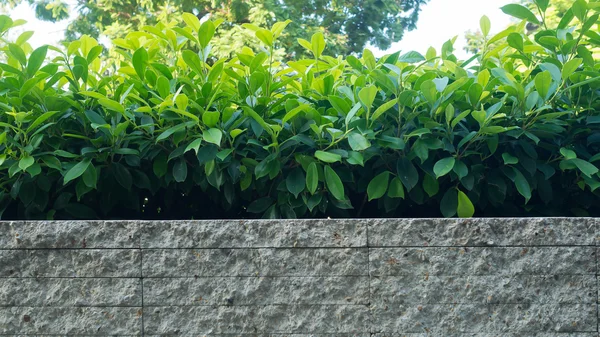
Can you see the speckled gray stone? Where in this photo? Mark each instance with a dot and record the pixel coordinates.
(482, 232)
(255, 262)
(65, 292)
(70, 263)
(254, 234)
(257, 319)
(545, 334)
(71, 321)
(69, 234)
(256, 290)
(477, 318)
(494, 289)
(483, 261)
(300, 278)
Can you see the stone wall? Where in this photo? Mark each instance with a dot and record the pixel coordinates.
(425, 277)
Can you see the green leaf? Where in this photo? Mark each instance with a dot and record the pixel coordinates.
(543, 4)
(17, 53)
(334, 183)
(36, 59)
(579, 9)
(122, 175)
(449, 203)
(358, 142)
(192, 60)
(396, 190)
(520, 12)
(317, 43)
(77, 170)
(378, 186)
(570, 67)
(464, 208)
(430, 185)
(485, 25)
(509, 159)
(543, 82)
(522, 185)
(568, 154)
(312, 178)
(213, 136)
(383, 108)
(411, 57)
(26, 162)
(295, 182)
(180, 170)
(367, 95)
(585, 167)
(206, 33)
(407, 173)
(443, 166)
(140, 61)
(260, 205)
(265, 36)
(90, 177)
(112, 105)
(191, 20)
(328, 157)
(41, 119)
(515, 40)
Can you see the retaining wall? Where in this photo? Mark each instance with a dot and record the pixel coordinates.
(396, 277)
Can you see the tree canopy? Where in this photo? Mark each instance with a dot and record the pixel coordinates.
(348, 25)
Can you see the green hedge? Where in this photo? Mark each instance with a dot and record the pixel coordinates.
(168, 131)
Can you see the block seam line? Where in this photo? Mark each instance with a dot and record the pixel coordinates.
(142, 288)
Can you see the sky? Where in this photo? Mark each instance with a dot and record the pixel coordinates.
(439, 21)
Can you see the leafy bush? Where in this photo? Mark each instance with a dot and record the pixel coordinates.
(172, 132)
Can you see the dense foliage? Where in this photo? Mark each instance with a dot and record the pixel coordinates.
(173, 133)
(347, 25)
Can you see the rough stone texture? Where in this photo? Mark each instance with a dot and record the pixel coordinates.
(69, 234)
(70, 263)
(514, 289)
(257, 319)
(254, 234)
(71, 321)
(257, 291)
(255, 262)
(299, 278)
(66, 292)
(483, 261)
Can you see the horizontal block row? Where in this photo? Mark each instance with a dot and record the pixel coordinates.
(298, 262)
(495, 289)
(436, 319)
(70, 321)
(444, 319)
(65, 292)
(316, 233)
(244, 291)
(483, 261)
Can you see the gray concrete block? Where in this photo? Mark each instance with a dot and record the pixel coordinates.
(487, 289)
(256, 291)
(69, 234)
(483, 261)
(70, 263)
(257, 319)
(254, 234)
(66, 292)
(71, 321)
(445, 319)
(482, 232)
(255, 262)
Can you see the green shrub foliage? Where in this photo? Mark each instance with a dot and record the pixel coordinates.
(169, 131)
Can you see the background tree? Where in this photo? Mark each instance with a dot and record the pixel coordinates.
(556, 10)
(348, 25)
